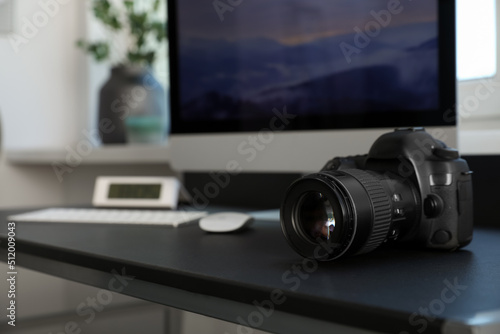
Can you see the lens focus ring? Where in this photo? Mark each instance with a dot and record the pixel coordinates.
(381, 205)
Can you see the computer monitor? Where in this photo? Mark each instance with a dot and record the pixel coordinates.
(285, 85)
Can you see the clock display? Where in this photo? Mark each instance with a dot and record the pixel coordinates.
(134, 191)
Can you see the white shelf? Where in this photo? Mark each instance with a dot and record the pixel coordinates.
(477, 142)
(471, 141)
(480, 136)
(112, 154)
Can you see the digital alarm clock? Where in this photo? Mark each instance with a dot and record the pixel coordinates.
(136, 192)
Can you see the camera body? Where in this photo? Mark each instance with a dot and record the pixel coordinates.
(409, 188)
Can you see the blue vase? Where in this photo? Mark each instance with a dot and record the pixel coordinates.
(132, 107)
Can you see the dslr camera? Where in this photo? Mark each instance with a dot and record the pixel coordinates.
(409, 188)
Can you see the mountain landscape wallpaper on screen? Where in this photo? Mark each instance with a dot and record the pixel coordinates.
(319, 60)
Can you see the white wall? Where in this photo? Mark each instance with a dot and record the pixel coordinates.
(42, 94)
(42, 83)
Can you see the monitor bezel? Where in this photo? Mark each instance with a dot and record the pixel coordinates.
(444, 116)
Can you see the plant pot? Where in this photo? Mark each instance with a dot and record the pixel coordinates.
(132, 107)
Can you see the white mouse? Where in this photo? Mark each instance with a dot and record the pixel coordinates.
(225, 222)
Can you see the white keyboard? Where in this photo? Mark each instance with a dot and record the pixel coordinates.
(109, 216)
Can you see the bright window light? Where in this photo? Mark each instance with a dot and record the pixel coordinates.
(476, 39)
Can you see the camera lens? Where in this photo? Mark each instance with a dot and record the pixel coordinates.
(315, 214)
(332, 214)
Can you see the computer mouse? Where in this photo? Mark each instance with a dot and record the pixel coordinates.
(224, 222)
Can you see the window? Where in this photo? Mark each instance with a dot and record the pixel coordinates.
(476, 39)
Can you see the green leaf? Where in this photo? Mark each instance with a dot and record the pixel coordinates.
(156, 5)
(141, 57)
(129, 5)
(138, 22)
(81, 44)
(150, 57)
(141, 27)
(100, 50)
(160, 30)
(141, 40)
(105, 12)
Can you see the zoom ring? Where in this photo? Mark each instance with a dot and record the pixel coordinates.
(381, 205)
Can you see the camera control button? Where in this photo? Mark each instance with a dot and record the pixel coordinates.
(446, 153)
(399, 212)
(433, 205)
(441, 237)
(396, 198)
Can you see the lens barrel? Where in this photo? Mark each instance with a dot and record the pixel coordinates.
(332, 214)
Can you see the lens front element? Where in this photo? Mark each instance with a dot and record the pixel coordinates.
(331, 214)
(316, 216)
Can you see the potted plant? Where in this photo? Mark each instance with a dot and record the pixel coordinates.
(132, 103)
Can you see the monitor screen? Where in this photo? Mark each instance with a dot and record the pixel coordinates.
(285, 85)
(336, 64)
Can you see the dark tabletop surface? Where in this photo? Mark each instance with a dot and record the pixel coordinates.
(389, 289)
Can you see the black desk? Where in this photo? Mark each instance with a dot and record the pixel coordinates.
(224, 276)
